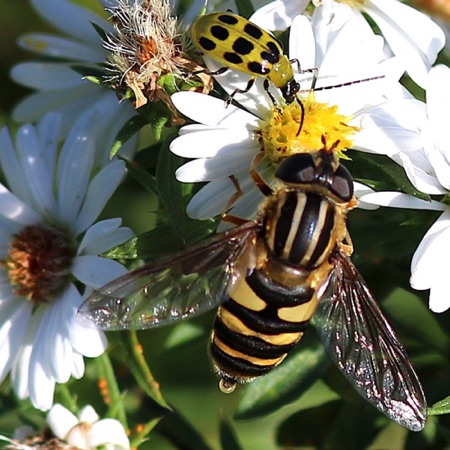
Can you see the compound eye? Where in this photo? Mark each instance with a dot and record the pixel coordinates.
(342, 184)
(297, 169)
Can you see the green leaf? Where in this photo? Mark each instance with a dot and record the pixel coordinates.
(410, 313)
(129, 129)
(380, 173)
(181, 433)
(245, 8)
(335, 425)
(100, 31)
(144, 178)
(228, 438)
(140, 434)
(185, 333)
(131, 355)
(170, 189)
(285, 383)
(441, 407)
(158, 116)
(127, 250)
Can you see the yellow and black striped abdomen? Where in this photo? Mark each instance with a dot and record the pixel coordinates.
(255, 329)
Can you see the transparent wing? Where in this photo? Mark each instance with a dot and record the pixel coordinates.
(182, 285)
(365, 348)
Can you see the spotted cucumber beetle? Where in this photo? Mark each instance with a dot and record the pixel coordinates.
(239, 44)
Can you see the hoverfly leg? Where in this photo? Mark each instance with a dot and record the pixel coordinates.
(347, 244)
(262, 185)
(233, 199)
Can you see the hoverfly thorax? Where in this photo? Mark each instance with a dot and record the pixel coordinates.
(306, 216)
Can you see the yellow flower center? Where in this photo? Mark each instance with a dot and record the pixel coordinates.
(38, 263)
(323, 128)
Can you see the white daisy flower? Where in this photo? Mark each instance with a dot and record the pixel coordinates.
(87, 431)
(49, 247)
(58, 85)
(226, 140)
(409, 33)
(427, 164)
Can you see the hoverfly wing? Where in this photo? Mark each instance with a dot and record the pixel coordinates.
(182, 285)
(365, 347)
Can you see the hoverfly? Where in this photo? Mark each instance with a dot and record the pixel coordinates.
(268, 277)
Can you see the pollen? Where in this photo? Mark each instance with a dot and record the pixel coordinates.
(323, 127)
(38, 262)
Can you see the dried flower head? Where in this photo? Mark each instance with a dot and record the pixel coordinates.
(148, 53)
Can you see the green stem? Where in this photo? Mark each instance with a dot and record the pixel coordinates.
(142, 372)
(67, 399)
(114, 399)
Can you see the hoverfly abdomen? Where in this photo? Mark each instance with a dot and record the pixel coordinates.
(256, 328)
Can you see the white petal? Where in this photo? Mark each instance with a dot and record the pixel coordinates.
(70, 103)
(96, 271)
(89, 342)
(439, 299)
(41, 383)
(400, 200)
(226, 163)
(103, 236)
(20, 374)
(60, 47)
(361, 190)
(78, 362)
(52, 337)
(399, 24)
(211, 111)
(48, 130)
(278, 15)
(99, 191)
(33, 156)
(302, 44)
(14, 209)
(88, 414)
(431, 253)
(74, 168)
(47, 76)
(12, 166)
(15, 317)
(108, 431)
(72, 19)
(207, 144)
(211, 199)
(61, 420)
(423, 180)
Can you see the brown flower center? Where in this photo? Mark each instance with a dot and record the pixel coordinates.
(38, 262)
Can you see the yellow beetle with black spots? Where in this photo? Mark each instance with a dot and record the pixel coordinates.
(239, 44)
